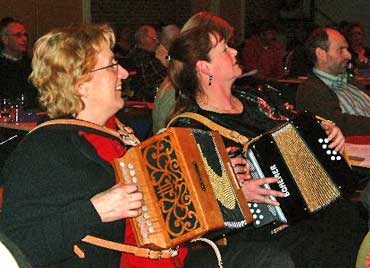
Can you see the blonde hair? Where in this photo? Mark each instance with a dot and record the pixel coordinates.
(62, 59)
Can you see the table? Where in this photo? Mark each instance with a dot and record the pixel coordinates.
(292, 80)
(19, 126)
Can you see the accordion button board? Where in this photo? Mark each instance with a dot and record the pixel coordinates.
(309, 173)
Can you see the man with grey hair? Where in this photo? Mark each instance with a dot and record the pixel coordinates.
(149, 66)
(329, 92)
(15, 66)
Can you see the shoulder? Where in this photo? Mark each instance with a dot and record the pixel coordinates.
(46, 141)
(313, 83)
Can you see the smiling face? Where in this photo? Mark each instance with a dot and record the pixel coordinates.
(223, 64)
(15, 39)
(101, 94)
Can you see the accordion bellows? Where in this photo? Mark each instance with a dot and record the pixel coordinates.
(188, 185)
(309, 173)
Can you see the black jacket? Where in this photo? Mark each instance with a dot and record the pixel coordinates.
(49, 181)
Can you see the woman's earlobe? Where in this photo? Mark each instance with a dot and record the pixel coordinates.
(202, 66)
(82, 89)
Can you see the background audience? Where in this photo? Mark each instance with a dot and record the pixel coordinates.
(329, 92)
(15, 65)
(149, 66)
(264, 52)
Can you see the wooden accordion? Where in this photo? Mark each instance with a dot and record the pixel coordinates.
(309, 173)
(188, 185)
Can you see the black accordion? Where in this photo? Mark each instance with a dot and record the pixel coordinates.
(309, 173)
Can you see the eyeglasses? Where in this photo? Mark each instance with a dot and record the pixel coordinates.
(113, 66)
(18, 35)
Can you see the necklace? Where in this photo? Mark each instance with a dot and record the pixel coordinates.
(236, 106)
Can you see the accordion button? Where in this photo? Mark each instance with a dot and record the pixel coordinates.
(122, 164)
(151, 229)
(258, 222)
(252, 210)
(249, 204)
(146, 215)
(145, 235)
(321, 140)
(258, 211)
(326, 140)
(144, 208)
(324, 146)
(149, 223)
(334, 152)
(261, 217)
(255, 205)
(134, 179)
(130, 166)
(332, 158)
(328, 152)
(339, 157)
(254, 216)
(132, 172)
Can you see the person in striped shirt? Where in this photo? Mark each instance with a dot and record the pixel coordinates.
(329, 92)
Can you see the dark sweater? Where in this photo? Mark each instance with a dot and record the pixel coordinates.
(49, 180)
(14, 80)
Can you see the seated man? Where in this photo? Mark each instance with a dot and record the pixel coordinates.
(150, 71)
(328, 92)
(15, 66)
(263, 52)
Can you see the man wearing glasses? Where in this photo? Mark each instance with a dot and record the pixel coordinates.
(15, 65)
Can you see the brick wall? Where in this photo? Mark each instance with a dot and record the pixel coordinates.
(138, 12)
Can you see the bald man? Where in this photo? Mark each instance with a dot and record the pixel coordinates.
(329, 92)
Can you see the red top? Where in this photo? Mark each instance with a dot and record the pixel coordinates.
(109, 149)
(267, 60)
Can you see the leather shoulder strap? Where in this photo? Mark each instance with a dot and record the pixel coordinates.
(227, 133)
(137, 251)
(124, 134)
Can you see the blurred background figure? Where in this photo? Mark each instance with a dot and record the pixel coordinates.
(168, 34)
(263, 51)
(123, 43)
(360, 53)
(15, 65)
(149, 66)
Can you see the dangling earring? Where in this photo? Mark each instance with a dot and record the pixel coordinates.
(210, 78)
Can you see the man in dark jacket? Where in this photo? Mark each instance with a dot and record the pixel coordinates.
(329, 93)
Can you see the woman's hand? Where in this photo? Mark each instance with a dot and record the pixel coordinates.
(253, 189)
(255, 192)
(334, 135)
(120, 201)
(241, 169)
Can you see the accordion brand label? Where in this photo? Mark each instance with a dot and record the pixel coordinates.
(280, 182)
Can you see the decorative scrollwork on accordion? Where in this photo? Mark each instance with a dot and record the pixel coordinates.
(169, 185)
(174, 170)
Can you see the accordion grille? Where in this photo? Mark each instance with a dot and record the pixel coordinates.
(316, 187)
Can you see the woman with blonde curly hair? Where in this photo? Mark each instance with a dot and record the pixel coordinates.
(59, 184)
